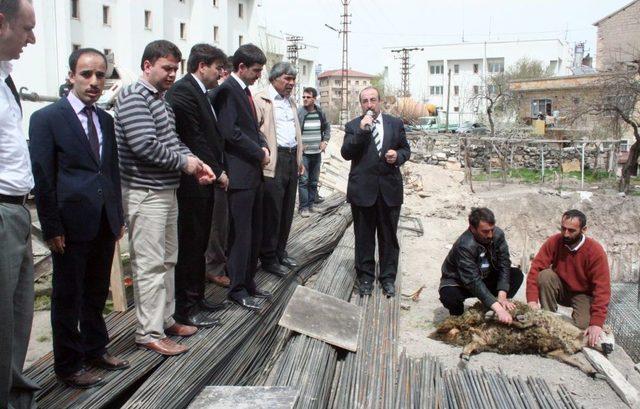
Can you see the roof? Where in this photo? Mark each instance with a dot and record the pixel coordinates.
(615, 12)
(549, 83)
(350, 73)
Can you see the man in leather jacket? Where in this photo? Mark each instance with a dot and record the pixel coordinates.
(478, 265)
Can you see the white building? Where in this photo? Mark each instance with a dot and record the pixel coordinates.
(470, 65)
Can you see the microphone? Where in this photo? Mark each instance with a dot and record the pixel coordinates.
(367, 127)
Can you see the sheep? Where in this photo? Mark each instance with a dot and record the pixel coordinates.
(531, 332)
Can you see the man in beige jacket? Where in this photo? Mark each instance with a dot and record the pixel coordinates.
(278, 119)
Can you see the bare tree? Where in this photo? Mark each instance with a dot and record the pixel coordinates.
(616, 98)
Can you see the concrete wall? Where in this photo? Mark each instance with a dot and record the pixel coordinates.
(619, 37)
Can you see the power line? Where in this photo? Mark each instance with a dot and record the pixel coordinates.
(405, 67)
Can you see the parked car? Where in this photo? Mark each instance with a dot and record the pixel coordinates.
(474, 128)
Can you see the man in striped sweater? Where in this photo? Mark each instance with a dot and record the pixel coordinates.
(316, 132)
(151, 160)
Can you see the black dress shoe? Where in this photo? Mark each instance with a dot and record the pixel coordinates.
(365, 288)
(289, 262)
(108, 362)
(249, 303)
(389, 288)
(207, 305)
(195, 320)
(276, 269)
(82, 379)
(258, 293)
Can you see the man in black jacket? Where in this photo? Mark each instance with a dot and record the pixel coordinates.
(196, 126)
(245, 154)
(478, 265)
(376, 145)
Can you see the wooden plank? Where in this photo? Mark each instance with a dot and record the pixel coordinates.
(323, 317)
(118, 294)
(246, 397)
(618, 382)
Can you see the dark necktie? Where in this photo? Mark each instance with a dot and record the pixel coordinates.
(253, 107)
(93, 133)
(13, 89)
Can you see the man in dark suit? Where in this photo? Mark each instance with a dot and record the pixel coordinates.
(245, 154)
(77, 186)
(196, 127)
(377, 146)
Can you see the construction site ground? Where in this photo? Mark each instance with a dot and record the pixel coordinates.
(441, 199)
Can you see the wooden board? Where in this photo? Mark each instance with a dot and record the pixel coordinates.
(618, 382)
(323, 317)
(246, 397)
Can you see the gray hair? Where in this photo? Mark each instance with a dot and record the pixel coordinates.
(282, 68)
(10, 8)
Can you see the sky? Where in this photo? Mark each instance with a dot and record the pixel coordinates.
(398, 23)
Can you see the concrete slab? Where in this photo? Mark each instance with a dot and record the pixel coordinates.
(246, 397)
(323, 317)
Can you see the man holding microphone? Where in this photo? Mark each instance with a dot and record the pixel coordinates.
(376, 145)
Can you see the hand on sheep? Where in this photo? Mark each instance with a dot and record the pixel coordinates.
(593, 335)
(534, 305)
(502, 314)
(506, 304)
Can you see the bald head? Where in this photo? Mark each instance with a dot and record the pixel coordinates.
(17, 21)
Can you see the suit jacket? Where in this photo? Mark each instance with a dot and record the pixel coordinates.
(243, 140)
(72, 186)
(267, 121)
(197, 128)
(370, 173)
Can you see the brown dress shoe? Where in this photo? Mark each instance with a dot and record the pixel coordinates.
(82, 379)
(181, 330)
(222, 281)
(109, 362)
(165, 346)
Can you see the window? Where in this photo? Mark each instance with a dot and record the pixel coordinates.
(496, 67)
(75, 47)
(107, 51)
(240, 10)
(216, 29)
(624, 146)
(183, 64)
(147, 19)
(304, 70)
(456, 90)
(337, 82)
(456, 68)
(436, 69)
(106, 18)
(358, 82)
(183, 31)
(75, 9)
(215, 3)
(492, 89)
(476, 90)
(435, 90)
(365, 83)
(240, 40)
(349, 82)
(540, 106)
(456, 109)
(476, 68)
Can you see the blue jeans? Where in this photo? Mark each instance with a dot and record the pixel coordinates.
(308, 182)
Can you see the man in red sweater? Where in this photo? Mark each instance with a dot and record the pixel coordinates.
(572, 270)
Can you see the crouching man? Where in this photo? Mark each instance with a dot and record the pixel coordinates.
(572, 270)
(478, 265)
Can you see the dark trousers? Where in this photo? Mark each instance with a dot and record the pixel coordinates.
(194, 225)
(245, 234)
(80, 289)
(308, 182)
(452, 297)
(16, 305)
(278, 207)
(380, 220)
(216, 254)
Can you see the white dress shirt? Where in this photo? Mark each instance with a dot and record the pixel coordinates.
(78, 106)
(242, 84)
(204, 91)
(284, 118)
(16, 178)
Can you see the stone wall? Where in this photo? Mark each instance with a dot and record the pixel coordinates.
(448, 148)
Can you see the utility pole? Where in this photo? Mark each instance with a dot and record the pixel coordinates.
(344, 74)
(446, 124)
(405, 67)
(295, 45)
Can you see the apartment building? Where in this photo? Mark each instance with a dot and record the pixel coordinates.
(330, 87)
(618, 38)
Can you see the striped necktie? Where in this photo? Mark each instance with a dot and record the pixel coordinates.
(376, 136)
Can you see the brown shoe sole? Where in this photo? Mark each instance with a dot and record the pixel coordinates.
(73, 384)
(163, 352)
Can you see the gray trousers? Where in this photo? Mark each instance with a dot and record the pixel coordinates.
(215, 256)
(16, 306)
